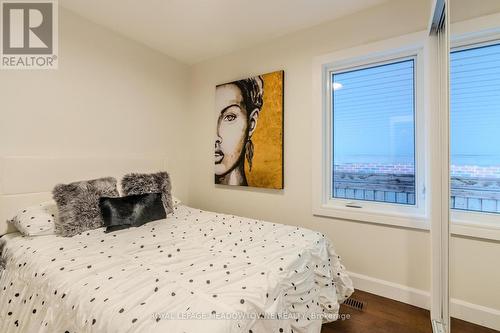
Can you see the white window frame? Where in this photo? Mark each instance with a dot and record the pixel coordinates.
(411, 216)
(472, 34)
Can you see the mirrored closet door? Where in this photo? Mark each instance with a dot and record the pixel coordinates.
(439, 185)
(474, 70)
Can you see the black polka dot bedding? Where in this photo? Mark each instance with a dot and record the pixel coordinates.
(195, 271)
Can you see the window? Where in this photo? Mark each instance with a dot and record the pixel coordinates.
(369, 156)
(475, 121)
(373, 119)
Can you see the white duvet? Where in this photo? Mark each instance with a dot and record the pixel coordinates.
(196, 271)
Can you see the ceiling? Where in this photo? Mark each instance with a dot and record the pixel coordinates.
(195, 30)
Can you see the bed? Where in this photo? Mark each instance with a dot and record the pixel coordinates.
(195, 271)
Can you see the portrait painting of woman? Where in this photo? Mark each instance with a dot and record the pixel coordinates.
(249, 132)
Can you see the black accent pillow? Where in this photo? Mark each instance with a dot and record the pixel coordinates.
(131, 211)
(141, 183)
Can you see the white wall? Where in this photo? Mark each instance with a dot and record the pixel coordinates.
(398, 255)
(110, 97)
(465, 9)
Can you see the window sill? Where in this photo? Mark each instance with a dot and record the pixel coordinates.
(475, 230)
(475, 224)
(354, 214)
(458, 228)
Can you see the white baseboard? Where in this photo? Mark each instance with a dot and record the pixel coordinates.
(473, 313)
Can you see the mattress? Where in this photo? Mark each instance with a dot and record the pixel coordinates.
(195, 271)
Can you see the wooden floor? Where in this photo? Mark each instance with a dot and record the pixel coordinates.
(382, 315)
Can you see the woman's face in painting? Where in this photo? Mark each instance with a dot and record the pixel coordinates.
(232, 128)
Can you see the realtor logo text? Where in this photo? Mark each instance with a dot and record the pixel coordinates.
(29, 34)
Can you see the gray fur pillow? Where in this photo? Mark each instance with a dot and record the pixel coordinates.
(78, 205)
(140, 183)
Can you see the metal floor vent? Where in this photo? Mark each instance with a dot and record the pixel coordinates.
(355, 304)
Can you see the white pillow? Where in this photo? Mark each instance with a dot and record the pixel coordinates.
(176, 201)
(36, 220)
